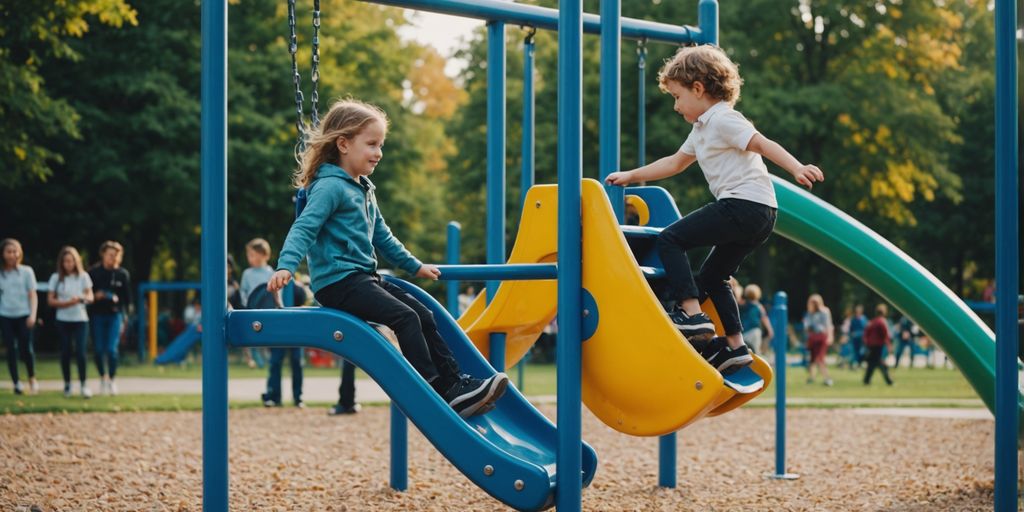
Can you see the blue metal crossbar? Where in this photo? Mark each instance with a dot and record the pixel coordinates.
(520, 272)
(545, 18)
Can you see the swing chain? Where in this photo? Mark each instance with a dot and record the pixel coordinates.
(641, 53)
(293, 47)
(532, 31)
(315, 73)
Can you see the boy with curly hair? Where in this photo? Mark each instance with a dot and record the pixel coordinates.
(706, 86)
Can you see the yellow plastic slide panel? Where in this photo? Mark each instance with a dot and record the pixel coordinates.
(640, 376)
(521, 309)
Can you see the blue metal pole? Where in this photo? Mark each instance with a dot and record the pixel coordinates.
(399, 449)
(515, 13)
(667, 461)
(497, 351)
(529, 120)
(570, 275)
(707, 20)
(779, 317)
(213, 152)
(496, 170)
(611, 104)
(507, 272)
(495, 149)
(1007, 257)
(641, 105)
(454, 240)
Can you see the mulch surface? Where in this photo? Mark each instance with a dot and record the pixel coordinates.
(289, 459)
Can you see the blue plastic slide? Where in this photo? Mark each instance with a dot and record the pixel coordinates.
(509, 452)
(180, 346)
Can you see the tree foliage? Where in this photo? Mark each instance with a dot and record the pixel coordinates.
(30, 36)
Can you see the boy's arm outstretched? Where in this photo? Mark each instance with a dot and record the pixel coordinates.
(659, 169)
(805, 175)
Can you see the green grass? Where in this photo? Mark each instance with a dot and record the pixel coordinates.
(49, 369)
(539, 379)
(916, 383)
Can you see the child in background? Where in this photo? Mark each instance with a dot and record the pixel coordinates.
(706, 85)
(254, 295)
(18, 308)
(754, 318)
(340, 229)
(876, 337)
(70, 291)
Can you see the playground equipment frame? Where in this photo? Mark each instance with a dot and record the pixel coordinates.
(571, 24)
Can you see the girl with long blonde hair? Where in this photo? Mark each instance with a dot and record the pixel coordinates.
(70, 291)
(341, 228)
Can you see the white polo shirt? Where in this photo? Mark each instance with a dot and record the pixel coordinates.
(719, 140)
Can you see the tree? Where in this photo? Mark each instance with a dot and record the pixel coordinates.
(30, 36)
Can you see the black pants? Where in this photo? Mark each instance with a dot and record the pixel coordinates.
(374, 300)
(733, 228)
(72, 339)
(875, 361)
(347, 390)
(18, 341)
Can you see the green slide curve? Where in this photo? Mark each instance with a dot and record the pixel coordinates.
(902, 281)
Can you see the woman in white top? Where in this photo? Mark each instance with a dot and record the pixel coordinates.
(18, 306)
(70, 291)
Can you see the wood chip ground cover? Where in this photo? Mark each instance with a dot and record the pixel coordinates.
(290, 459)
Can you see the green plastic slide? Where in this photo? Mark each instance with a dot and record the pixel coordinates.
(903, 282)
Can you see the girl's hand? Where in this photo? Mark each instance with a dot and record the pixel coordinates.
(30, 322)
(620, 178)
(428, 271)
(278, 280)
(806, 175)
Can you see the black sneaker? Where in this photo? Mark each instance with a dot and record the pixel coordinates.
(727, 360)
(469, 396)
(340, 410)
(697, 327)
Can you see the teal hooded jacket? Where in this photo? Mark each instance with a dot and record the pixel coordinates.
(339, 228)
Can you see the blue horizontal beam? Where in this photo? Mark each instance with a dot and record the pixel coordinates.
(545, 18)
(519, 272)
(173, 286)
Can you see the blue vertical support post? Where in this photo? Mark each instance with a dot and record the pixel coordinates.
(496, 170)
(570, 275)
(213, 151)
(779, 317)
(667, 461)
(1007, 257)
(529, 118)
(453, 243)
(609, 116)
(399, 449)
(641, 103)
(707, 20)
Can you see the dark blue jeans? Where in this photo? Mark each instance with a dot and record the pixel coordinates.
(274, 380)
(733, 228)
(368, 297)
(72, 337)
(18, 340)
(106, 333)
(347, 390)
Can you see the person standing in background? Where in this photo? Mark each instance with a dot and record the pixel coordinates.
(112, 291)
(819, 329)
(18, 308)
(70, 290)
